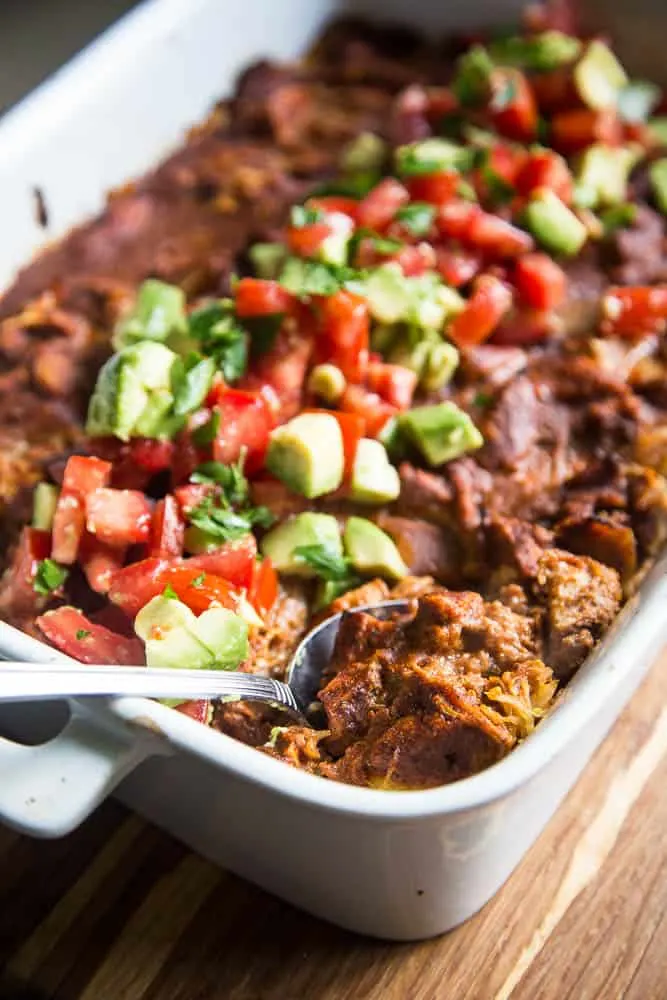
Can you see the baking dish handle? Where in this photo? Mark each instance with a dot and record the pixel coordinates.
(48, 790)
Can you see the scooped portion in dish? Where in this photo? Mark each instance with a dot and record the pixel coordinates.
(390, 324)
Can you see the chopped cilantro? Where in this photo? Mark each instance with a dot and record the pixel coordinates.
(198, 581)
(310, 277)
(417, 217)
(49, 577)
(221, 337)
(82, 633)
(263, 331)
(381, 244)
(226, 514)
(301, 216)
(618, 216)
(499, 191)
(170, 593)
(472, 82)
(327, 564)
(190, 381)
(229, 477)
(355, 185)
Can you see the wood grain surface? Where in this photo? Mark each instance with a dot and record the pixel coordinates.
(120, 911)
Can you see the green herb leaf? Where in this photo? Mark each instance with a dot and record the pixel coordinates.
(263, 331)
(226, 524)
(82, 633)
(381, 244)
(618, 217)
(417, 217)
(500, 191)
(198, 581)
(472, 82)
(191, 380)
(301, 216)
(207, 433)
(327, 564)
(170, 593)
(221, 337)
(356, 185)
(229, 477)
(49, 577)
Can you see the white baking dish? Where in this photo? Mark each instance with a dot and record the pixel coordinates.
(396, 865)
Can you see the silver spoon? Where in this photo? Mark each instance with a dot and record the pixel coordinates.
(33, 671)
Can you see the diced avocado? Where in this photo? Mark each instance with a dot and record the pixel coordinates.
(658, 175)
(604, 171)
(372, 551)
(412, 356)
(366, 152)
(178, 650)
(553, 224)
(658, 129)
(441, 432)
(393, 438)
(431, 155)
(159, 310)
(599, 76)
(374, 479)
(333, 249)
(307, 454)
(431, 302)
(304, 529)
(328, 382)
(267, 259)
(132, 392)
(441, 362)
(44, 503)
(162, 615)
(197, 541)
(387, 294)
(225, 635)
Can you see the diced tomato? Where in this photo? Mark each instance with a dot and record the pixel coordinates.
(264, 590)
(415, 260)
(185, 459)
(634, 310)
(69, 522)
(380, 205)
(352, 427)
(167, 528)
(523, 327)
(495, 237)
(374, 410)
(454, 219)
(201, 711)
(233, 561)
(151, 455)
(490, 300)
(574, 130)
(336, 203)
(544, 168)
(18, 594)
(135, 585)
(257, 297)
(457, 267)
(437, 188)
(118, 517)
(72, 633)
(100, 562)
(395, 384)
(441, 101)
(192, 495)
(84, 473)
(285, 365)
(513, 106)
(540, 282)
(245, 423)
(305, 241)
(345, 334)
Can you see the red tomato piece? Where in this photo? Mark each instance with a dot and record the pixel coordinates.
(186, 458)
(84, 474)
(415, 260)
(437, 189)
(374, 410)
(441, 101)
(490, 300)
(454, 219)
(393, 383)
(100, 562)
(69, 522)
(200, 711)
(71, 632)
(352, 427)
(495, 237)
(192, 495)
(457, 267)
(380, 205)
(151, 455)
(135, 585)
(336, 203)
(305, 241)
(118, 517)
(283, 368)
(257, 297)
(523, 327)
(544, 168)
(233, 561)
(345, 334)
(514, 116)
(634, 310)
(18, 594)
(540, 282)
(263, 592)
(574, 130)
(245, 422)
(167, 528)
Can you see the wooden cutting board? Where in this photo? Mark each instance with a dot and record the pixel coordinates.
(120, 911)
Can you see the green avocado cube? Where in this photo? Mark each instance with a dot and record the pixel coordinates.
(280, 544)
(307, 454)
(441, 432)
(371, 551)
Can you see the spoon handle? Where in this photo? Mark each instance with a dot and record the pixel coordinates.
(36, 682)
